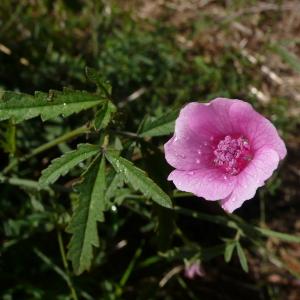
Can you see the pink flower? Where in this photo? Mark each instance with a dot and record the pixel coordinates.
(193, 270)
(223, 150)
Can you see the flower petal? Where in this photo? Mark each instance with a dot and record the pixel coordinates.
(259, 130)
(187, 153)
(211, 184)
(209, 120)
(188, 149)
(221, 110)
(251, 178)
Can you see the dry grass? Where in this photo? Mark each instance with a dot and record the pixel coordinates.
(249, 28)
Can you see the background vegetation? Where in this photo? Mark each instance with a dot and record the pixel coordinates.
(157, 55)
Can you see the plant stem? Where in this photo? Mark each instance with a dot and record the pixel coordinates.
(128, 271)
(69, 135)
(62, 250)
(206, 217)
(20, 182)
(126, 134)
(235, 222)
(59, 140)
(65, 264)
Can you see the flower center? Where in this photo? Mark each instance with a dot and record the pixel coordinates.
(232, 154)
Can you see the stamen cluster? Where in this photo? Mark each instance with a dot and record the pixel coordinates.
(232, 154)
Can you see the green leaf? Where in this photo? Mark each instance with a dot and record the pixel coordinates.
(62, 165)
(116, 183)
(242, 257)
(47, 105)
(138, 179)
(162, 125)
(83, 223)
(8, 136)
(103, 116)
(230, 245)
(97, 78)
(115, 193)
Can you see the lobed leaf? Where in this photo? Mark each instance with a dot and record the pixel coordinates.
(103, 116)
(112, 189)
(138, 179)
(163, 125)
(83, 224)
(62, 165)
(97, 78)
(22, 107)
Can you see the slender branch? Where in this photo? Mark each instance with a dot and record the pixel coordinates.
(22, 182)
(220, 220)
(126, 134)
(128, 271)
(65, 137)
(65, 264)
(62, 250)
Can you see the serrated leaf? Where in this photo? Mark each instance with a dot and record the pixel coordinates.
(62, 165)
(160, 126)
(83, 223)
(115, 194)
(116, 183)
(47, 105)
(103, 116)
(242, 257)
(96, 77)
(138, 179)
(121, 195)
(229, 248)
